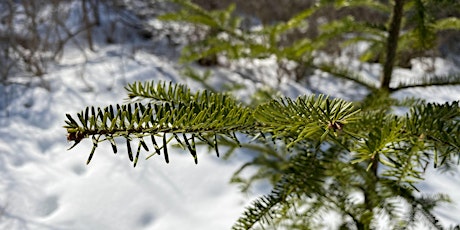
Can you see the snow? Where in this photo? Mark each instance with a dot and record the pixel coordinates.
(44, 186)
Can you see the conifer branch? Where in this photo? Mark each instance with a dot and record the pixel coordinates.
(302, 178)
(172, 109)
(318, 136)
(427, 81)
(345, 73)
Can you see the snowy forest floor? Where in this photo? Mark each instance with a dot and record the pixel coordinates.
(44, 186)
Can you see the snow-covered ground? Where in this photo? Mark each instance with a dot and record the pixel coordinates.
(44, 186)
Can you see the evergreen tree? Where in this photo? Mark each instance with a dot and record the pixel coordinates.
(335, 150)
(411, 30)
(358, 159)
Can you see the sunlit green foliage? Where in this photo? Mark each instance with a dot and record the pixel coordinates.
(361, 160)
(327, 150)
(223, 35)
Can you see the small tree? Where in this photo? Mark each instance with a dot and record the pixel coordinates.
(358, 159)
(336, 149)
(392, 44)
(409, 32)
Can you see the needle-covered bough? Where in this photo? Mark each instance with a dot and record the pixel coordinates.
(163, 112)
(333, 148)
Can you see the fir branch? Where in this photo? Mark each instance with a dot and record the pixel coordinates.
(370, 4)
(421, 207)
(173, 109)
(302, 178)
(305, 118)
(302, 167)
(160, 92)
(427, 81)
(450, 23)
(438, 125)
(345, 73)
(218, 20)
(260, 211)
(362, 31)
(201, 114)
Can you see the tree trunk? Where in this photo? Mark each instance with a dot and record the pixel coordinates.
(392, 44)
(87, 24)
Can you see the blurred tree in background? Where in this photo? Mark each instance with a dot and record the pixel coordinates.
(360, 160)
